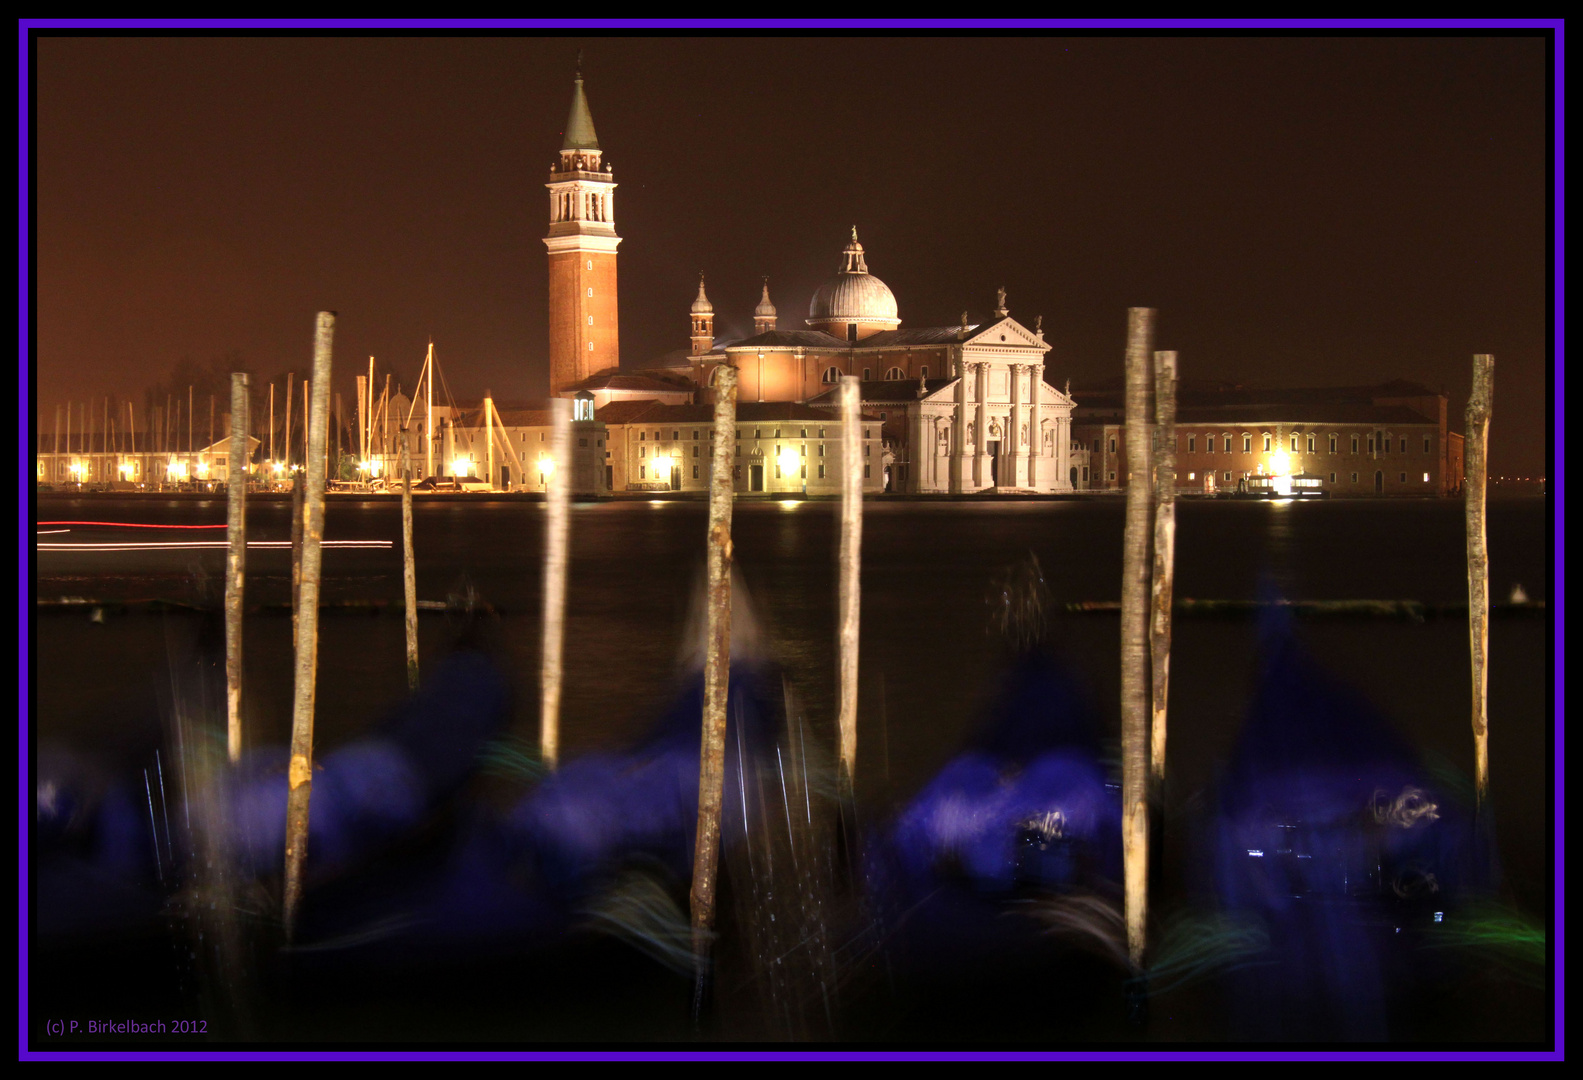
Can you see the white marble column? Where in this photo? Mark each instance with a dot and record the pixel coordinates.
(1035, 429)
(982, 428)
(1063, 453)
(958, 448)
(1013, 459)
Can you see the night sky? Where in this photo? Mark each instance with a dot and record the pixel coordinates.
(1302, 211)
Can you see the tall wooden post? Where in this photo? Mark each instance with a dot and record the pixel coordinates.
(489, 434)
(286, 438)
(301, 768)
(851, 564)
(1135, 634)
(557, 520)
(1476, 477)
(717, 673)
(235, 563)
(1164, 558)
(297, 479)
(409, 576)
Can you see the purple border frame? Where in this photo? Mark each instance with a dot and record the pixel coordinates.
(25, 27)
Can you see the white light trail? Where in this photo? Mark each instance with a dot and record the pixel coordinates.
(200, 545)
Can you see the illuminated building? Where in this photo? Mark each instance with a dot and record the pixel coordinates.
(1390, 439)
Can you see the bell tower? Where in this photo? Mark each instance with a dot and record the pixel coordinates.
(582, 243)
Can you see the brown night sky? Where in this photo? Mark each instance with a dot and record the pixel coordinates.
(1301, 210)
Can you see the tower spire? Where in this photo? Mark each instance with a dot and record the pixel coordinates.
(764, 315)
(703, 315)
(579, 121)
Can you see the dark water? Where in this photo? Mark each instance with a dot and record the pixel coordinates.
(926, 648)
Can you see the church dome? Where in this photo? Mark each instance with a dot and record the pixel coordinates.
(854, 295)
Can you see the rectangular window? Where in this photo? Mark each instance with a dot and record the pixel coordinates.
(643, 451)
(1247, 444)
(1112, 445)
(1192, 476)
(821, 449)
(676, 435)
(1310, 444)
(1371, 444)
(1332, 478)
(1332, 444)
(1354, 446)
(1354, 478)
(695, 433)
(643, 472)
(1228, 478)
(868, 373)
(777, 468)
(1192, 444)
(643, 436)
(695, 472)
(1294, 442)
(1228, 447)
(865, 464)
(1113, 474)
(1404, 444)
(805, 470)
(866, 449)
(582, 442)
(821, 472)
(1426, 478)
(736, 472)
(1266, 445)
(1426, 444)
(1209, 445)
(695, 451)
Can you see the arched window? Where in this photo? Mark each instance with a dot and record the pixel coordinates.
(832, 374)
(895, 374)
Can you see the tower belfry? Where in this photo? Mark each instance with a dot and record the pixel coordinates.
(582, 241)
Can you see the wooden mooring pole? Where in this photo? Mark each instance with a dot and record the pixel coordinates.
(851, 564)
(1476, 476)
(236, 562)
(1135, 634)
(717, 669)
(301, 768)
(409, 570)
(1164, 561)
(557, 521)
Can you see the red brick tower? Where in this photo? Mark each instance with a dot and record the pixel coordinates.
(582, 243)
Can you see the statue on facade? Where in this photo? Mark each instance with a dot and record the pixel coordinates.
(1022, 435)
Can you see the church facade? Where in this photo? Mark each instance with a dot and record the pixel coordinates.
(961, 408)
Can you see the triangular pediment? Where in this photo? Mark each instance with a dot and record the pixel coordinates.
(1006, 333)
